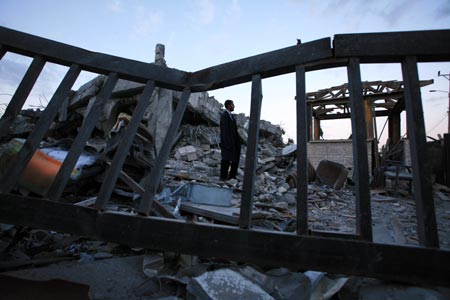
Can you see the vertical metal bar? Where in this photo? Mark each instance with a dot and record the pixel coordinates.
(423, 194)
(19, 163)
(302, 155)
(80, 141)
(447, 158)
(122, 151)
(360, 160)
(21, 94)
(251, 155)
(151, 185)
(2, 51)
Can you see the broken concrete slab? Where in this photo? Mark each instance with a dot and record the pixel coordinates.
(187, 153)
(291, 178)
(228, 215)
(332, 173)
(152, 264)
(199, 193)
(224, 284)
(281, 283)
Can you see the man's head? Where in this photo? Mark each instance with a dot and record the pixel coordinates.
(229, 105)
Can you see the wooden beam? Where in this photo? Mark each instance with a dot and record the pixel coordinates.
(251, 157)
(360, 161)
(368, 113)
(316, 133)
(79, 143)
(415, 265)
(153, 181)
(384, 47)
(302, 154)
(124, 146)
(423, 192)
(21, 95)
(268, 64)
(19, 163)
(346, 100)
(337, 116)
(56, 52)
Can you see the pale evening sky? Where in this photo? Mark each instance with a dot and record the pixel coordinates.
(201, 33)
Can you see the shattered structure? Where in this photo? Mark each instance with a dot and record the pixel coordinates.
(131, 159)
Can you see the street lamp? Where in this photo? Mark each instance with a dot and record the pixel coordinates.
(447, 76)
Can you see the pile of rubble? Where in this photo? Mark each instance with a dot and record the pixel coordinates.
(193, 170)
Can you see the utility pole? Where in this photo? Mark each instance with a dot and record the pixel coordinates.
(447, 76)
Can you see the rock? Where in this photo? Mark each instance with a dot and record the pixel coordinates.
(282, 190)
(289, 198)
(281, 205)
(332, 173)
(152, 264)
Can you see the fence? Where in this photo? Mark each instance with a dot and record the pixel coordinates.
(352, 254)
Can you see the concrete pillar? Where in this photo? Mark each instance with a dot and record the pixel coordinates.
(160, 110)
(160, 52)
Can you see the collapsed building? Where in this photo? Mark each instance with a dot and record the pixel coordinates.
(149, 151)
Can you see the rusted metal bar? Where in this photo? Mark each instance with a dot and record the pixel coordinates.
(18, 164)
(302, 155)
(21, 94)
(423, 193)
(122, 151)
(79, 143)
(360, 160)
(245, 217)
(152, 183)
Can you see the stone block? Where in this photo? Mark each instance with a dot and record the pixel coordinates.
(187, 153)
(332, 173)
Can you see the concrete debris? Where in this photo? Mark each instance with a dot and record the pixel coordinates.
(224, 284)
(187, 153)
(281, 283)
(152, 264)
(205, 194)
(332, 173)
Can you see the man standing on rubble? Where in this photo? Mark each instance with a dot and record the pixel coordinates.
(230, 143)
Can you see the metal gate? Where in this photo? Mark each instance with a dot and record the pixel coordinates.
(351, 254)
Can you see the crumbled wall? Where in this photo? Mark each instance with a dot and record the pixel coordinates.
(340, 151)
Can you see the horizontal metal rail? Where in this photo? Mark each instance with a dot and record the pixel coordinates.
(265, 248)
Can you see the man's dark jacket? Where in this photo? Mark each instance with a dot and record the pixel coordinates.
(230, 142)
